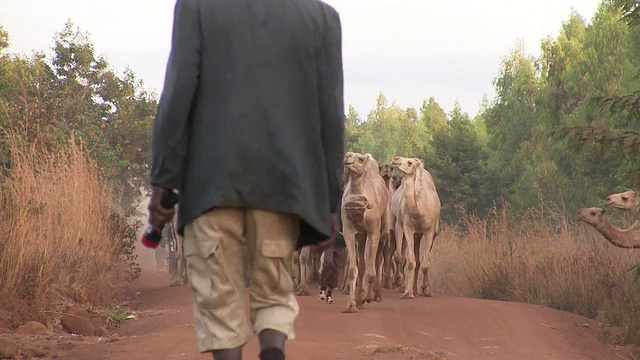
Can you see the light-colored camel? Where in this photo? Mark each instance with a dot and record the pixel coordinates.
(295, 268)
(627, 201)
(365, 223)
(390, 268)
(308, 267)
(397, 181)
(418, 208)
(624, 238)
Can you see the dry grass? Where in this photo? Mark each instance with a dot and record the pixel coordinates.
(63, 240)
(544, 257)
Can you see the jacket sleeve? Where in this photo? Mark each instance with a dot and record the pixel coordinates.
(171, 124)
(331, 92)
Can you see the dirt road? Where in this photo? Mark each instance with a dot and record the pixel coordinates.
(442, 327)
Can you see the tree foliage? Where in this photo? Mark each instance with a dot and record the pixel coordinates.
(76, 94)
(562, 128)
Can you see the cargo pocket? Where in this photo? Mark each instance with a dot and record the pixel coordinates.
(276, 254)
(275, 248)
(200, 259)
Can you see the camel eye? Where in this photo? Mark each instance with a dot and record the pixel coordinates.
(593, 213)
(410, 162)
(625, 198)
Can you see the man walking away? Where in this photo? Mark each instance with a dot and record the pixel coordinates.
(250, 132)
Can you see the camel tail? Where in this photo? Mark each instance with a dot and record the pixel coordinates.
(355, 206)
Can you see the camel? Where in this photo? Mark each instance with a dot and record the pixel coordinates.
(624, 238)
(308, 267)
(389, 267)
(397, 181)
(365, 213)
(627, 201)
(417, 205)
(295, 268)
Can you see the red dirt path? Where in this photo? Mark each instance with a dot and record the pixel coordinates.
(441, 327)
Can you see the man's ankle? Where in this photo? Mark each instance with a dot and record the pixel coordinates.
(272, 354)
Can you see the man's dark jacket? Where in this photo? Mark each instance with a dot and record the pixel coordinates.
(252, 113)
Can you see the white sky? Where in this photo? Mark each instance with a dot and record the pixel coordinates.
(408, 49)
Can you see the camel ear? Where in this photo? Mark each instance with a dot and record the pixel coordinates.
(604, 211)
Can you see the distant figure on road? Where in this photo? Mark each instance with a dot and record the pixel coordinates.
(250, 131)
(334, 258)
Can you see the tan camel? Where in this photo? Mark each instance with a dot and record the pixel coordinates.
(418, 207)
(389, 267)
(624, 238)
(365, 223)
(308, 270)
(397, 181)
(295, 268)
(627, 201)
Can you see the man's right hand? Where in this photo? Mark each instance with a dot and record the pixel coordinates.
(159, 216)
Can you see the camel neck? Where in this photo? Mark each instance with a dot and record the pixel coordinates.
(389, 183)
(356, 184)
(627, 238)
(410, 191)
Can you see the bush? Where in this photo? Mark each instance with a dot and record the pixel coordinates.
(540, 258)
(63, 237)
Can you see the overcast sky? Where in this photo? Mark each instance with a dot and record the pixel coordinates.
(408, 49)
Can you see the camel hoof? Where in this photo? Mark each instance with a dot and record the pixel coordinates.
(378, 298)
(407, 296)
(351, 309)
(303, 293)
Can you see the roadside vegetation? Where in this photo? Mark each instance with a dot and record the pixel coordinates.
(561, 133)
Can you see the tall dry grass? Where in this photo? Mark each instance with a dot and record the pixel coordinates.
(62, 238)
(542, 257)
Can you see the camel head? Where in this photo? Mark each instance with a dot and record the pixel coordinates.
(593, 216)
(627, 200)
(355, 162)
(386, 171)
(408, 166)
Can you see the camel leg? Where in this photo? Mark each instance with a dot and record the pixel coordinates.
(389, 272)
(370, 254)
(410, 267)
(360, 249)
(305, 259)
(380, 269)
(352, 275)
(344, 284)
(316, 264)
(295, 269)
(397, 256)
(426, 245)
